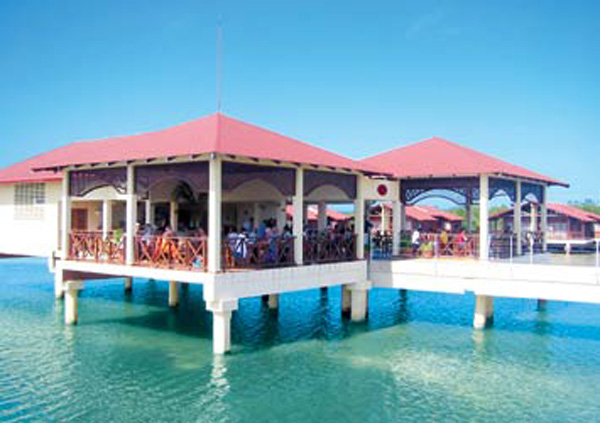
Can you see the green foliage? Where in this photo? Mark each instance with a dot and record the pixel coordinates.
(587, 205)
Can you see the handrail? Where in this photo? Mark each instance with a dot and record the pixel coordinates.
(243, 252)
(95, 246)
(173, 252)
(329, 247)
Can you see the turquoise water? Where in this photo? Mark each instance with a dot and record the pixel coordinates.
(417, 359)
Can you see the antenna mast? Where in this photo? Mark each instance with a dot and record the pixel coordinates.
(219, 41)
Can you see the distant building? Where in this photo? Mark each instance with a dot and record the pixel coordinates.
(312, 215)
(564, 222)
(426, 218)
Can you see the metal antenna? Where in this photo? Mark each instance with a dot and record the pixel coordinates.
(219, 41)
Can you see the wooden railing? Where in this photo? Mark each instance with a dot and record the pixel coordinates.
(93, 246)
(258, 253)
(185, 253)
(329, 248)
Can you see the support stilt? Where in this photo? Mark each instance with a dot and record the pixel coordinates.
(128, 284)
(173, 294)
(72, 289)
(542, 305)
(222, 311)
(59, 291)
(359, 298)
(273, 301)
(346, 301)
(484, 312)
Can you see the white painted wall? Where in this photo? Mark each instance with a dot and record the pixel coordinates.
(31, 237)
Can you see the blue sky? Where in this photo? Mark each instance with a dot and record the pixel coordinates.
(516, 79)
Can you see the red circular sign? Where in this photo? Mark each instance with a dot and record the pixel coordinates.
(382, 190)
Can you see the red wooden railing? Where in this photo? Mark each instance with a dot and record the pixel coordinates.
(93, 246)
(329, 248)
(186, 253)
(258, 253)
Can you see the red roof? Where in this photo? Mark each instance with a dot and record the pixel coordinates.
(427, 213)
(212, 134)
(574, 212)
(436, 157)
(564, 209)
(23, 172)
(313, 213)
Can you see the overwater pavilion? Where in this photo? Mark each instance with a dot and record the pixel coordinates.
(437, 168)
(231, 173)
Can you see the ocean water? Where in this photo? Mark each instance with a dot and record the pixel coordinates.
(132, 359)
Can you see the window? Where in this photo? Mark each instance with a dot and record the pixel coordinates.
(29, 201)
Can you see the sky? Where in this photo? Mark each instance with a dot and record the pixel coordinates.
(518, 79)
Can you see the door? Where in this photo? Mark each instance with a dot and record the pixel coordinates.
(79, 219)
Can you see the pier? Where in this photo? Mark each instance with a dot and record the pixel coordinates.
(243, 212)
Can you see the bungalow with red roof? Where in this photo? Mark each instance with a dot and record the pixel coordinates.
(565, 222)
(424, 218)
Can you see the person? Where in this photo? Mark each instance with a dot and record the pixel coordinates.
(462, 242)
(416, 239)
(443, 240)
(262, 229)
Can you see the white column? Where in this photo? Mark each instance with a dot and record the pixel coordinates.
(298, 203)
(214, 215)
(484, 311)
(58, 284)
(72, 289)
(544, 219)
(518, 218)
(384, 219)
(173, 214)
(359, 217)
(322, 220)
(148, 218)
(221, 310)
(173, 294)
(396, 224)
(106, 218)
(533, 219)
(483, 217)
(131, 216)
(273, 301)
(65, 216)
